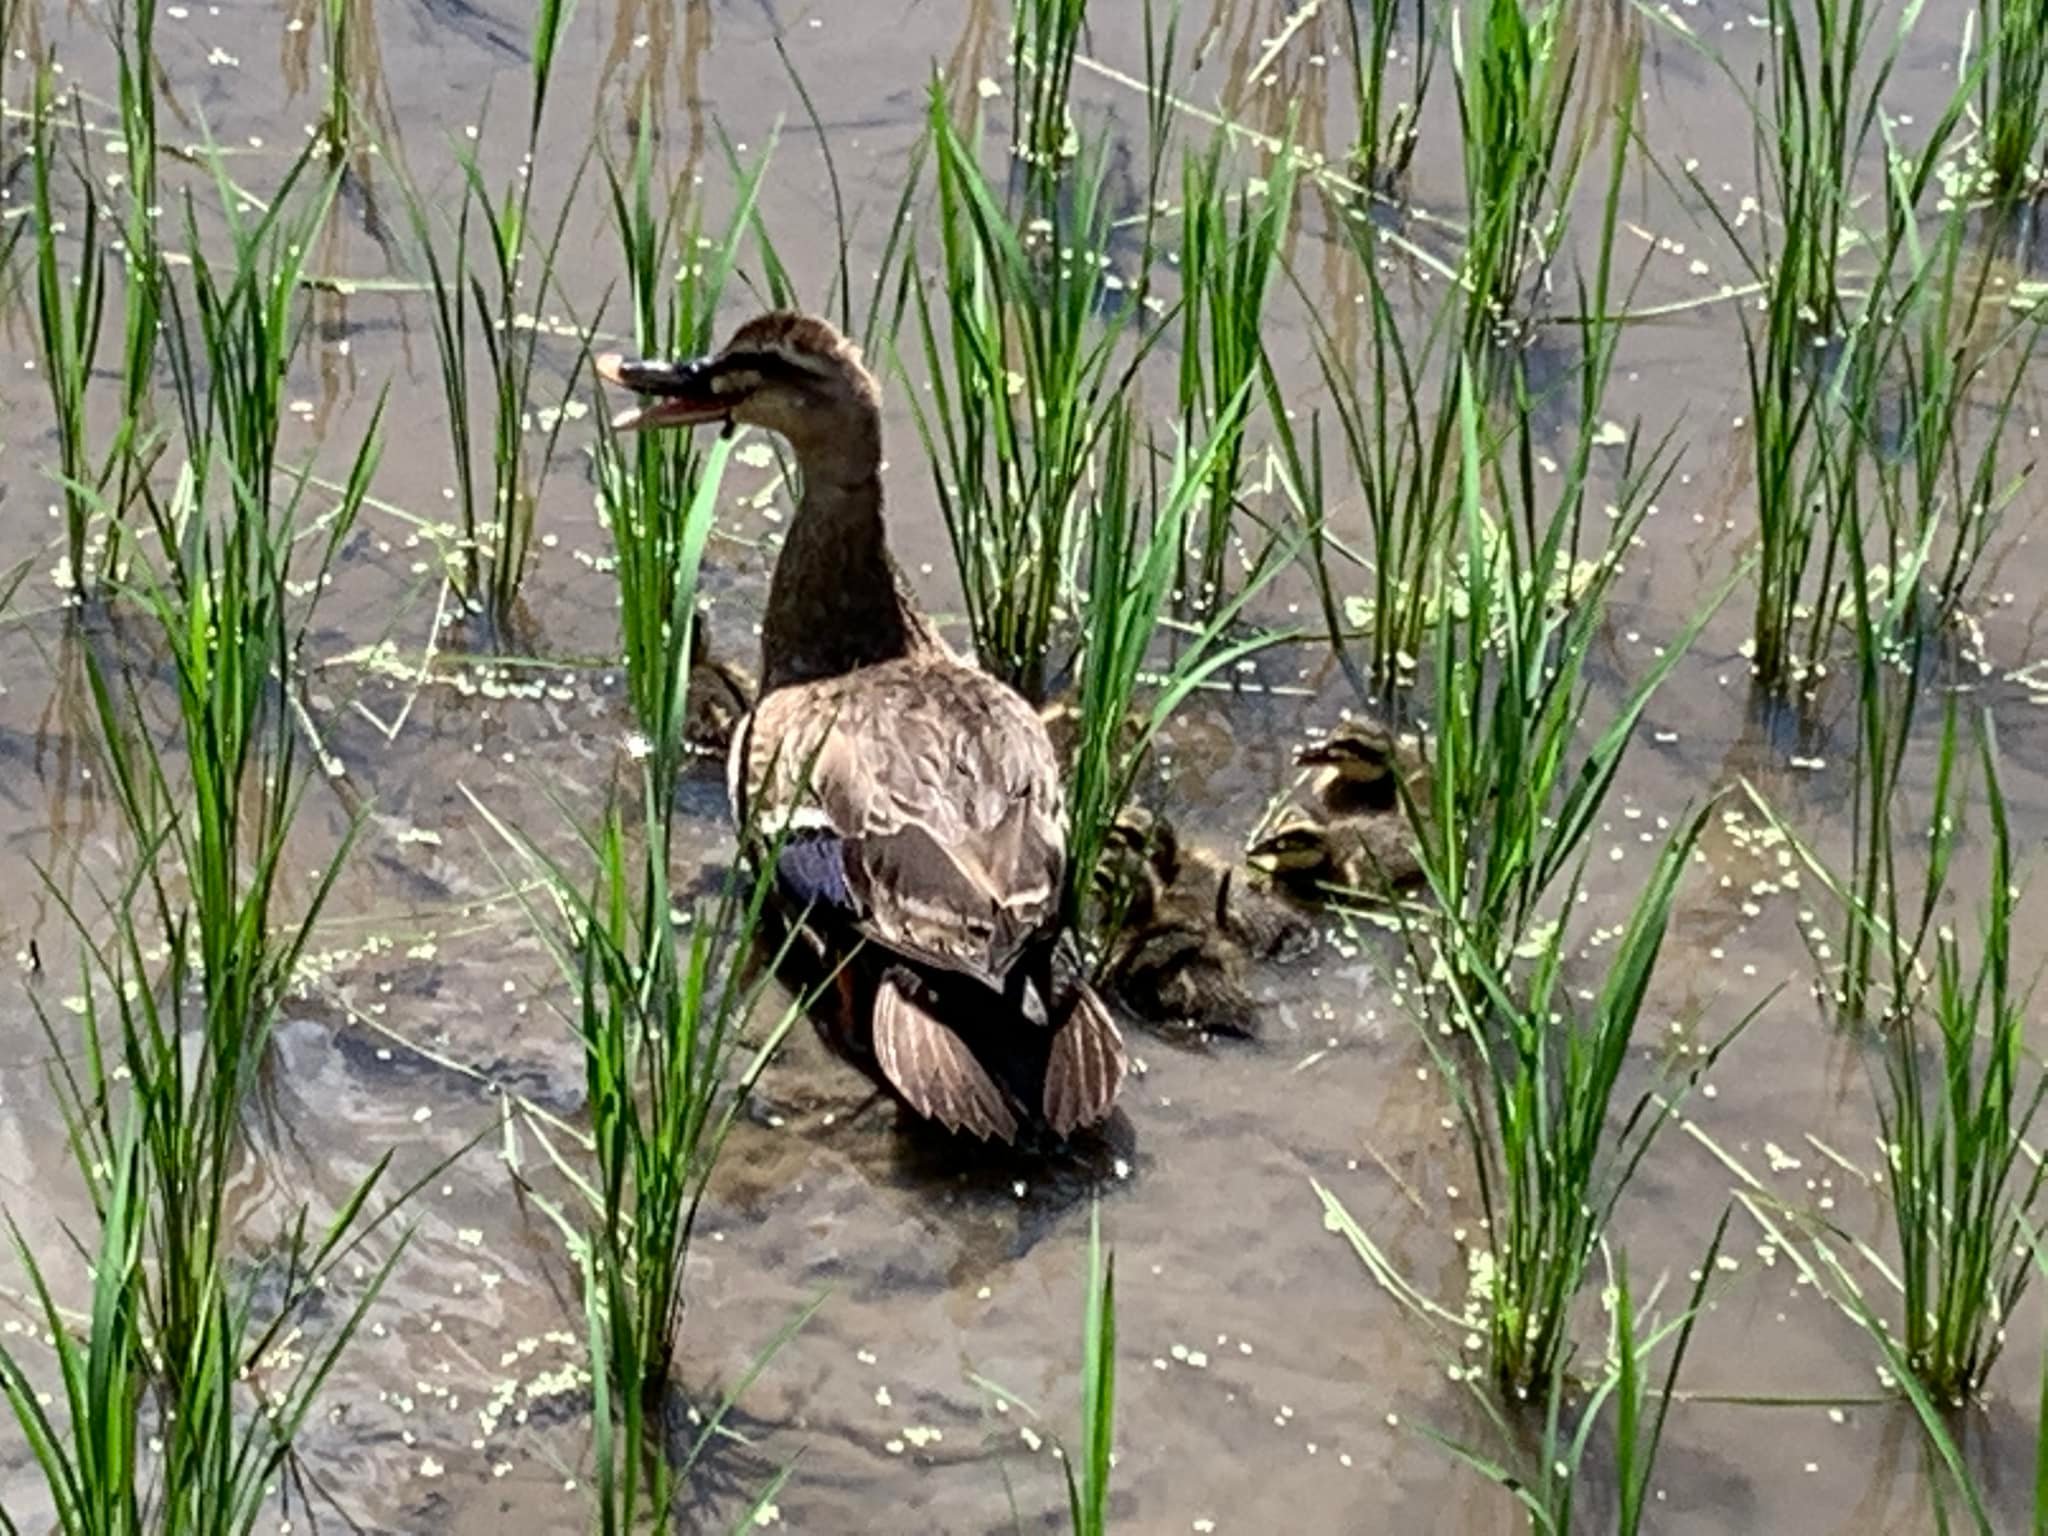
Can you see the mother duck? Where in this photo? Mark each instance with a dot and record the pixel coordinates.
(915, 800)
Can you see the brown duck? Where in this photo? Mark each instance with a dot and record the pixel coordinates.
(916, 799)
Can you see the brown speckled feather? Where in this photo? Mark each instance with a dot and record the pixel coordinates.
(943, 788)
(934, 1069)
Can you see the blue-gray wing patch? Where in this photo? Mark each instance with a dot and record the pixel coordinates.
(813, 869)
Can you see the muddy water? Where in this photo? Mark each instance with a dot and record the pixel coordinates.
(1265, 1384)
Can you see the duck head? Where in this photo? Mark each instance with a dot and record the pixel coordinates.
(790, 374)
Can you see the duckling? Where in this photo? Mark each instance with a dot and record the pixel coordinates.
(1174, 960)
(1373, 855)
(720, 696)
(1062, 717)
(1198, 881)
(1363, 766)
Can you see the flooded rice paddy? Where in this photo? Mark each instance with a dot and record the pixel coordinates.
(1265, 1383)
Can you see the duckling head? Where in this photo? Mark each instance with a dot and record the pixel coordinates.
(789, 373)
(1139, 835)
(1358, 752)
(1297, 847)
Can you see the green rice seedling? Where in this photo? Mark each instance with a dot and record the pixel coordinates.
(2012, 94)
(636, 1489)
(92, 1460)
(1535, 1096)
(1088, 1464)
(1226, 266)
(661, 999)
(492, 301)
(225, 821)
(657, 491)
(338, 125)
(660, 1008)
(1024, 368)
(1943, 489)
(136, 441)
(1871, 438)
(1386, 139)
(69, 314)
(1534, 1074)
(153, 1123)
(1132, 557)
(1548, 1489)
(1044, 37)
(1088, 1467)
(1514, 90)
(1397, 414)
(210, 815)
(1962, 1179)
(1513, 800)
(230, 336)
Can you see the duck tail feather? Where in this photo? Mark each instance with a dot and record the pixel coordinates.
(933, 1069)
(1086, 1067)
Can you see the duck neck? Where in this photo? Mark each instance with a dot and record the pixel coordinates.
(835, 602)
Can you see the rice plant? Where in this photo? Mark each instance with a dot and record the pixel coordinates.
(1514, 88)
(662, 998)
(1534, 1073)
(660, 1007)
(657, 491)
(2012, 97)
(1386, 139)
(1396, 414)
(1548, 1486)
(1866, 436)
(638, 1487)
(1024, 366)
(1963, 1180)
(210, 817)
(92, 1460)
(338, 124)
(169, 1324)
(1088, 1466)
(1226, 267)
(1135, 538)
(1044, 37)
(490, 302)
(1512, 798)
(70, 310)
(1940, 418)
(1535, 1109)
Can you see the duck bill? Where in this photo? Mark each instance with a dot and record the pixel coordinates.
(678, 394)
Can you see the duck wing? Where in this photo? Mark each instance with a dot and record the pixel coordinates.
(921, 799)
